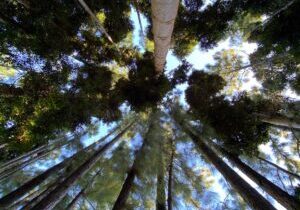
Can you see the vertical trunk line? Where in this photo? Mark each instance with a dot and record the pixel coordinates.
(61, 190)
(250, 195)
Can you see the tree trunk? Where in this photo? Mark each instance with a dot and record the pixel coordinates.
(61, 190)
(72, 204)
(124, 193)
(25, 188)
(47, 147)
(280, 121)
(164, 13)
(170, 179)
(276, 192)
(24, 201)
(279, 168)
(136, 5)
(5, 174)
(250, 195)
(42, 195)
(160, 186)
(134, 170)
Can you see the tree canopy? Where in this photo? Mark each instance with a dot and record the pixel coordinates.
(88, 121)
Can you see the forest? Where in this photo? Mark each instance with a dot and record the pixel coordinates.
(150, 104)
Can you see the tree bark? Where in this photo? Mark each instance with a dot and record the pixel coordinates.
(134, 170)
(280, 121)
(276, 192)
(5, 174)
(170, 179)
(61, 190)
(160, 186)
(127, 185)
(164, 13)
(15, 195)
(249, 194)
(279, 168)
(50, 146)
(42, 195)
(72, 204)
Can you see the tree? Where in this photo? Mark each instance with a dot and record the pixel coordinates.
(25, 188)
(170, 178)
(60, 191)
(252, 197)
(163, 17)
(232, 120)
(134, 170)
(280, 195)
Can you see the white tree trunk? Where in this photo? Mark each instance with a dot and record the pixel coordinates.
(164, 13)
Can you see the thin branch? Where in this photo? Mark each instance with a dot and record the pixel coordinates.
(98, 23)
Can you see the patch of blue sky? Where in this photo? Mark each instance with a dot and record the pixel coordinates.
(137, 38)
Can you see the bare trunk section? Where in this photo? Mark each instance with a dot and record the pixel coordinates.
(72, 204)
(164, 13)
(160, 186)
(276, 192)
(170, 178)
(280, 121)
(127, 185)
(61, 190)
(279, 168)
(42, 195)
(132, 173)
(82, 192)
(17, 194)
(249, 194)
(6, 174)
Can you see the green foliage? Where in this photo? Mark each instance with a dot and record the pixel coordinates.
(233, 120)
(143, 88)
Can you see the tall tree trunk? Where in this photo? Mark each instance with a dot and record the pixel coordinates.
(22, 161)
(279, 168)
(160, 186)
(136, 5)
(6, 174)
(18, 160)
(164, 13)
(250, 195)
(15, 195)
(280, 121)
(132, 173)
(42, 195)
(170, 178)
(61, 190)
(72, 204)
(276, 192)
(127, 185)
